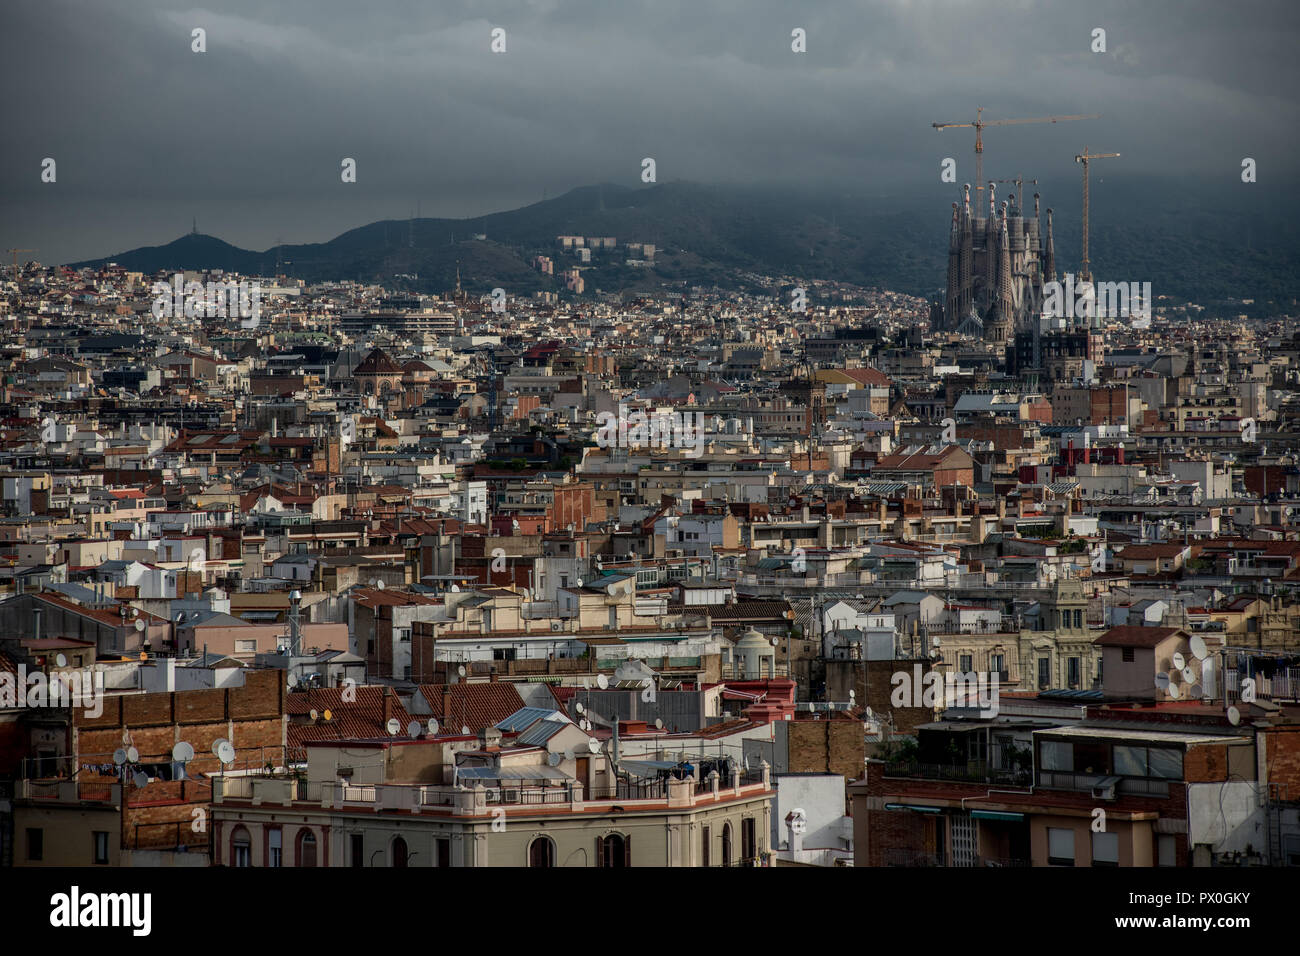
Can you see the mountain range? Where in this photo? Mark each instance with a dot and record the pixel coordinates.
(1213, 246)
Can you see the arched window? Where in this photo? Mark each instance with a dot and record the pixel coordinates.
(541, 852)
(726, 844)
(614, 850)
(241, 848)
(399, 852)
(306, 852)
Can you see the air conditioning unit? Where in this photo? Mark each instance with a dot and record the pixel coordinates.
(557, 626)
(1105, 788)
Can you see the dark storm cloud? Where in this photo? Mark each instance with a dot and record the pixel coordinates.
(249, 135)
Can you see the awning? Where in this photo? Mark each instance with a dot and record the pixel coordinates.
(511, 773)
(913, 807)
(996, 815)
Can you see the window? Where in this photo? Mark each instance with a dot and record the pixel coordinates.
(997, 663)
(400, 856)
(541, 853)
(726, 844)
(614, 850)
(748, 839)
(1074, 671)
(241, 853)
(1056, 755)
(1105, 849)
(358, 842)
(965, 663)
(1127, 655)
(1060, 847)
(1166, 850)
(704, 847)
(274, 848)
(246, 647)
(442, 850)
(35, 844)
(1078, 619)
(306, 848)
(100, 841)
(1044, 672)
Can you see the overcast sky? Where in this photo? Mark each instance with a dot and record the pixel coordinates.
(248, 137)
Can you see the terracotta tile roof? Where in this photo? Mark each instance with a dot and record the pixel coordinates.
(359, 719)
(472, 705)
(1135, 636)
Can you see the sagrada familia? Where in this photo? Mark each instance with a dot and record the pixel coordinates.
(997, 265)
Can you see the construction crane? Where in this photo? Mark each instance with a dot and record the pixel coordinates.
(1020, 190)
(979, 125)
(1085, 275)
(15, 255)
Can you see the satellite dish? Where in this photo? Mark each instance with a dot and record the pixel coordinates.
(1199, 650)
(139, 624)
(584, 724)
(1189, 675)
(568, 754)
(226, 753)
(393, 726)
(1234, 716)
(1179, 662)
(553, 760)
(433, 726)
(216, 746)
(579, 708)
(659, 723)
(380, 585)
(461, 670)
(870, 713)
(328, 715)
(935, 641)
(602, 681)
(593, 746)
(141, 779)
(132, 754)
(853, 695)
(119, 757)
(1172, 691)
(1195, 692)
(464, 731)
(183, 752)
(60, 660)
(1162, 680)
(314, 714)
(413, 729)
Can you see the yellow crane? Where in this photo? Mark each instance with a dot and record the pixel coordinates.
(979, 125)
(15, 252)
(1085, 275)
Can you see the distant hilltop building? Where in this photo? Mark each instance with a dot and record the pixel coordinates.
(997, 265)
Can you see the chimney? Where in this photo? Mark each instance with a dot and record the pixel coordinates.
(389, 710)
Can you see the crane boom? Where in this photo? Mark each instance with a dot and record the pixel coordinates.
(979, 125)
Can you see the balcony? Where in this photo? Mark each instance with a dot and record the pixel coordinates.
(481, 800)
